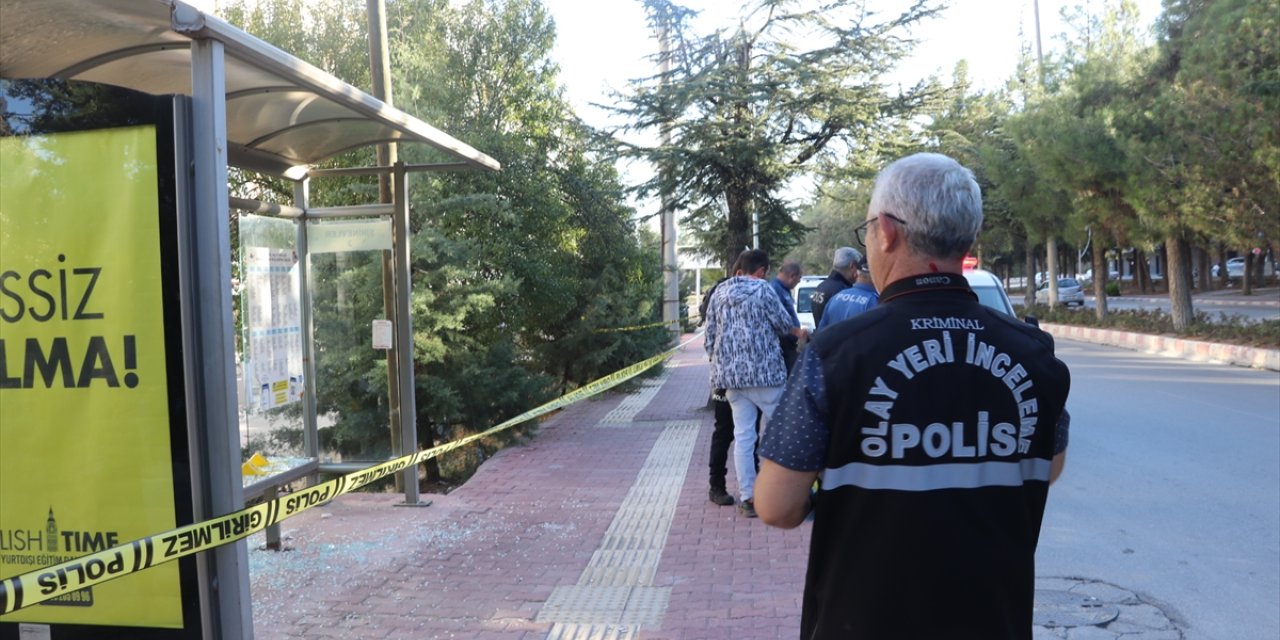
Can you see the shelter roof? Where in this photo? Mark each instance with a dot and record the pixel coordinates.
(283, 115)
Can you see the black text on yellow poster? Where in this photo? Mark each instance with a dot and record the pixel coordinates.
(85, 459)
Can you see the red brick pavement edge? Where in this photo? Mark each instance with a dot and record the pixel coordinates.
(481, 561)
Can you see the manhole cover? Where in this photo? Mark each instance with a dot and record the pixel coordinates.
(1066, 609)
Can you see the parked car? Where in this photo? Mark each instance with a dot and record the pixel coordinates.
(985, 284)
(802, 294)
(990, 290)
(1235, 268)
(1087, 276)
(1070, 292)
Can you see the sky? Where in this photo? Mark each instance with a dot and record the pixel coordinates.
(601, 44)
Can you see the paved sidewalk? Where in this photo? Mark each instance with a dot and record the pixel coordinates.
(486, 560)
(599, 527)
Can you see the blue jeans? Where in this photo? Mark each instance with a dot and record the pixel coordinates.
(744, 403)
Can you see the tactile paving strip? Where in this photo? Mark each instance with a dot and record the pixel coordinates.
(633, 403)
(591, 632)
(614, 596)
(590, 604)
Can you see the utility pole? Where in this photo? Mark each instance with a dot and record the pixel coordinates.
(670, 268)
(755, 224)
(403, 428)
(1050, 239)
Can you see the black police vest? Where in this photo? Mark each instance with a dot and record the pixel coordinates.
(942, 432)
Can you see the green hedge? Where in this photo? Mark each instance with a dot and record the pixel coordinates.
(1208, 327)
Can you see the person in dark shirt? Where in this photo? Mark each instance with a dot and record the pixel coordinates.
(937, 425)
(722, 429)
(844, 271)
(788, 277)
(852, 301)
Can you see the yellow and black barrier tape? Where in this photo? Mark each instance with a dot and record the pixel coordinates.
(32, 588)
(634, 327)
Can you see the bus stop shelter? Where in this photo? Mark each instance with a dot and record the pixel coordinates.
(251, 106)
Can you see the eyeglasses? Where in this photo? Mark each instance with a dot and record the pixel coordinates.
(860, 231)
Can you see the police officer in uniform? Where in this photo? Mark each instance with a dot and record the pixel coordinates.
(844, 272)
(852, 301)
(935, 424)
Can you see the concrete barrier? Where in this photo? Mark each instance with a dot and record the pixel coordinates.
(1196, 350)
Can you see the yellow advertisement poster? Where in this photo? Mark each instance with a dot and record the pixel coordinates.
(85, 458)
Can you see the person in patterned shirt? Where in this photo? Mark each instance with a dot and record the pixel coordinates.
(745, 318)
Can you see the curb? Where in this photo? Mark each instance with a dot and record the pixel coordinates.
(1194, 350)
(1231, 302)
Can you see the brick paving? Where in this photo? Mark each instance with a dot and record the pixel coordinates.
(483, 559)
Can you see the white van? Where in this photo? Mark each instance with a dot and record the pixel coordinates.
(801, 295)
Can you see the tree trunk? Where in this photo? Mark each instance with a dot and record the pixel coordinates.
(1224, 280)
(1029, 282)
(1139, 274)
(1162, 261)
(1100, 271)
(1202, 269)
(1246, 280)
(1259, 269)
(1269, 258)
(1178, 276)
(1144, 268)
(739, 231)
(1051, 272)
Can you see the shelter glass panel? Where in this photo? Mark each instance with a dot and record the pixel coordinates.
(346, 288)
(271, 355)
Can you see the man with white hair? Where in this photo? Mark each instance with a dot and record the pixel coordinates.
(844, 270)
(854, 300)
(934, 423)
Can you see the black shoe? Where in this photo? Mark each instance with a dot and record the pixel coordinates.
(720, 497)
(748, 508)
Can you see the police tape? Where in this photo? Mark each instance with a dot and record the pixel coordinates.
(32, 588)
(633, 328)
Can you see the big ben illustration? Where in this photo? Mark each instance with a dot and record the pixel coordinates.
(51, 533)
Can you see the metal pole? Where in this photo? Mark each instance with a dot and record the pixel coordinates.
(697, 289)
(1039, 51)
(670, 268)
(267, 208)
(214, 388)
(380, 72)
(433, 167)
(352, 211)
(310, 428)
(404, 335)
(755, 226)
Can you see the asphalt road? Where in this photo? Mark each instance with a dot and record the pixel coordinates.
(1264, 304)
(1172, 488)
(1249, 312)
